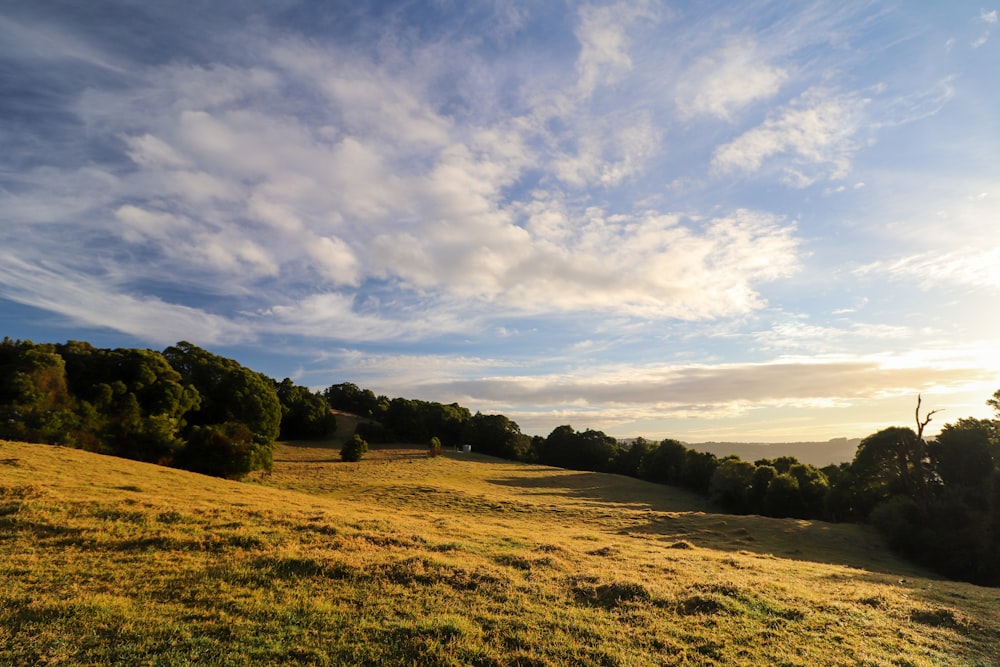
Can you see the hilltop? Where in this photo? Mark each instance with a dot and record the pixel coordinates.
(461, 559)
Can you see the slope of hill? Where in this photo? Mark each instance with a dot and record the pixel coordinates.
(458, 560)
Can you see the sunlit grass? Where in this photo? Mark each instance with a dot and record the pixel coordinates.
(457, 560)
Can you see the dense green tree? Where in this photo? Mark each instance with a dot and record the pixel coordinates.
(584, 450)
(813, 487)
(962, 453)
(884, 467)
(763, 473)
(783, 497)
(938, 501)
(496, 435)
(665, 463)
(228, 450)
(448, 422)
(730, 484)
(304, 414)
(35, 401)
(229, 392)
(237, 404)
(698, 469)
(374, 432)
(138, 400)
(349, 397)
(630, 457)
(842, 498)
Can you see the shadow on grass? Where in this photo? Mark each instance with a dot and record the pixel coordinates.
(603, 489)
(675, 516)
(328, 451)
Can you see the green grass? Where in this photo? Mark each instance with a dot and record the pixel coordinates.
(456, 560)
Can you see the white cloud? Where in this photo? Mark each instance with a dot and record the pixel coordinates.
(815, 135)
(335, 260)
(610, 152)
(990, 19)
(337, 316)
(149, 151)
(723, 82)
(610, 395)
(968, 267)
(88, 301)
(51, 42)
(604, 56)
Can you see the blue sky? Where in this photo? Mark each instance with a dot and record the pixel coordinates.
(703, 220)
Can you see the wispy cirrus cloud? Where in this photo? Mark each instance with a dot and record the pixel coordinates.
(989, 18)
(229, 179)
(590, 192)
(603, 36)
(723, 82)
(814, 136)
(102, 304)
(978, 268)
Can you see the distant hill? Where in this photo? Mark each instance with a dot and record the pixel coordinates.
(819, 454)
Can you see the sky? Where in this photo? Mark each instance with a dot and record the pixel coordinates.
(753, 221)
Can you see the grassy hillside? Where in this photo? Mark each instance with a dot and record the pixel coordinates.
(401, 559)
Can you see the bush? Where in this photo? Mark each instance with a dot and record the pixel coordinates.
(354, 448)
(224, 450)
(435, 447)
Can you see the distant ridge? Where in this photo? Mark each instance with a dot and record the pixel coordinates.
(819, 454)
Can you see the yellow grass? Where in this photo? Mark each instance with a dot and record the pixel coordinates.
(462, 559)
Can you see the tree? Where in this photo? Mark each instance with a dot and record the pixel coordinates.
(354, 449)
(408, 419)
(348, 397)
(35, 401)
(665, 464)
(232, 396)
(586, 450)
(961, 454)
(883, 466)
(629, 459)
(783, 497)
(448, 421)
(496, 435)
(759, 483)
(304, 414)
(225, 450)
(813, 487)
(730, 483)
(137, 400)
(229, 392)
(698, 469)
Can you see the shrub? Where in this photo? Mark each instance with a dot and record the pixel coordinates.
(435, 446)
(224, 450)
(354, 448)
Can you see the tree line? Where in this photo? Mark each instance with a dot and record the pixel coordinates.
(937, 500)
(184, 407)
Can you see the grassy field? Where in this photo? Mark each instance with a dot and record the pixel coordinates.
(458, 560)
